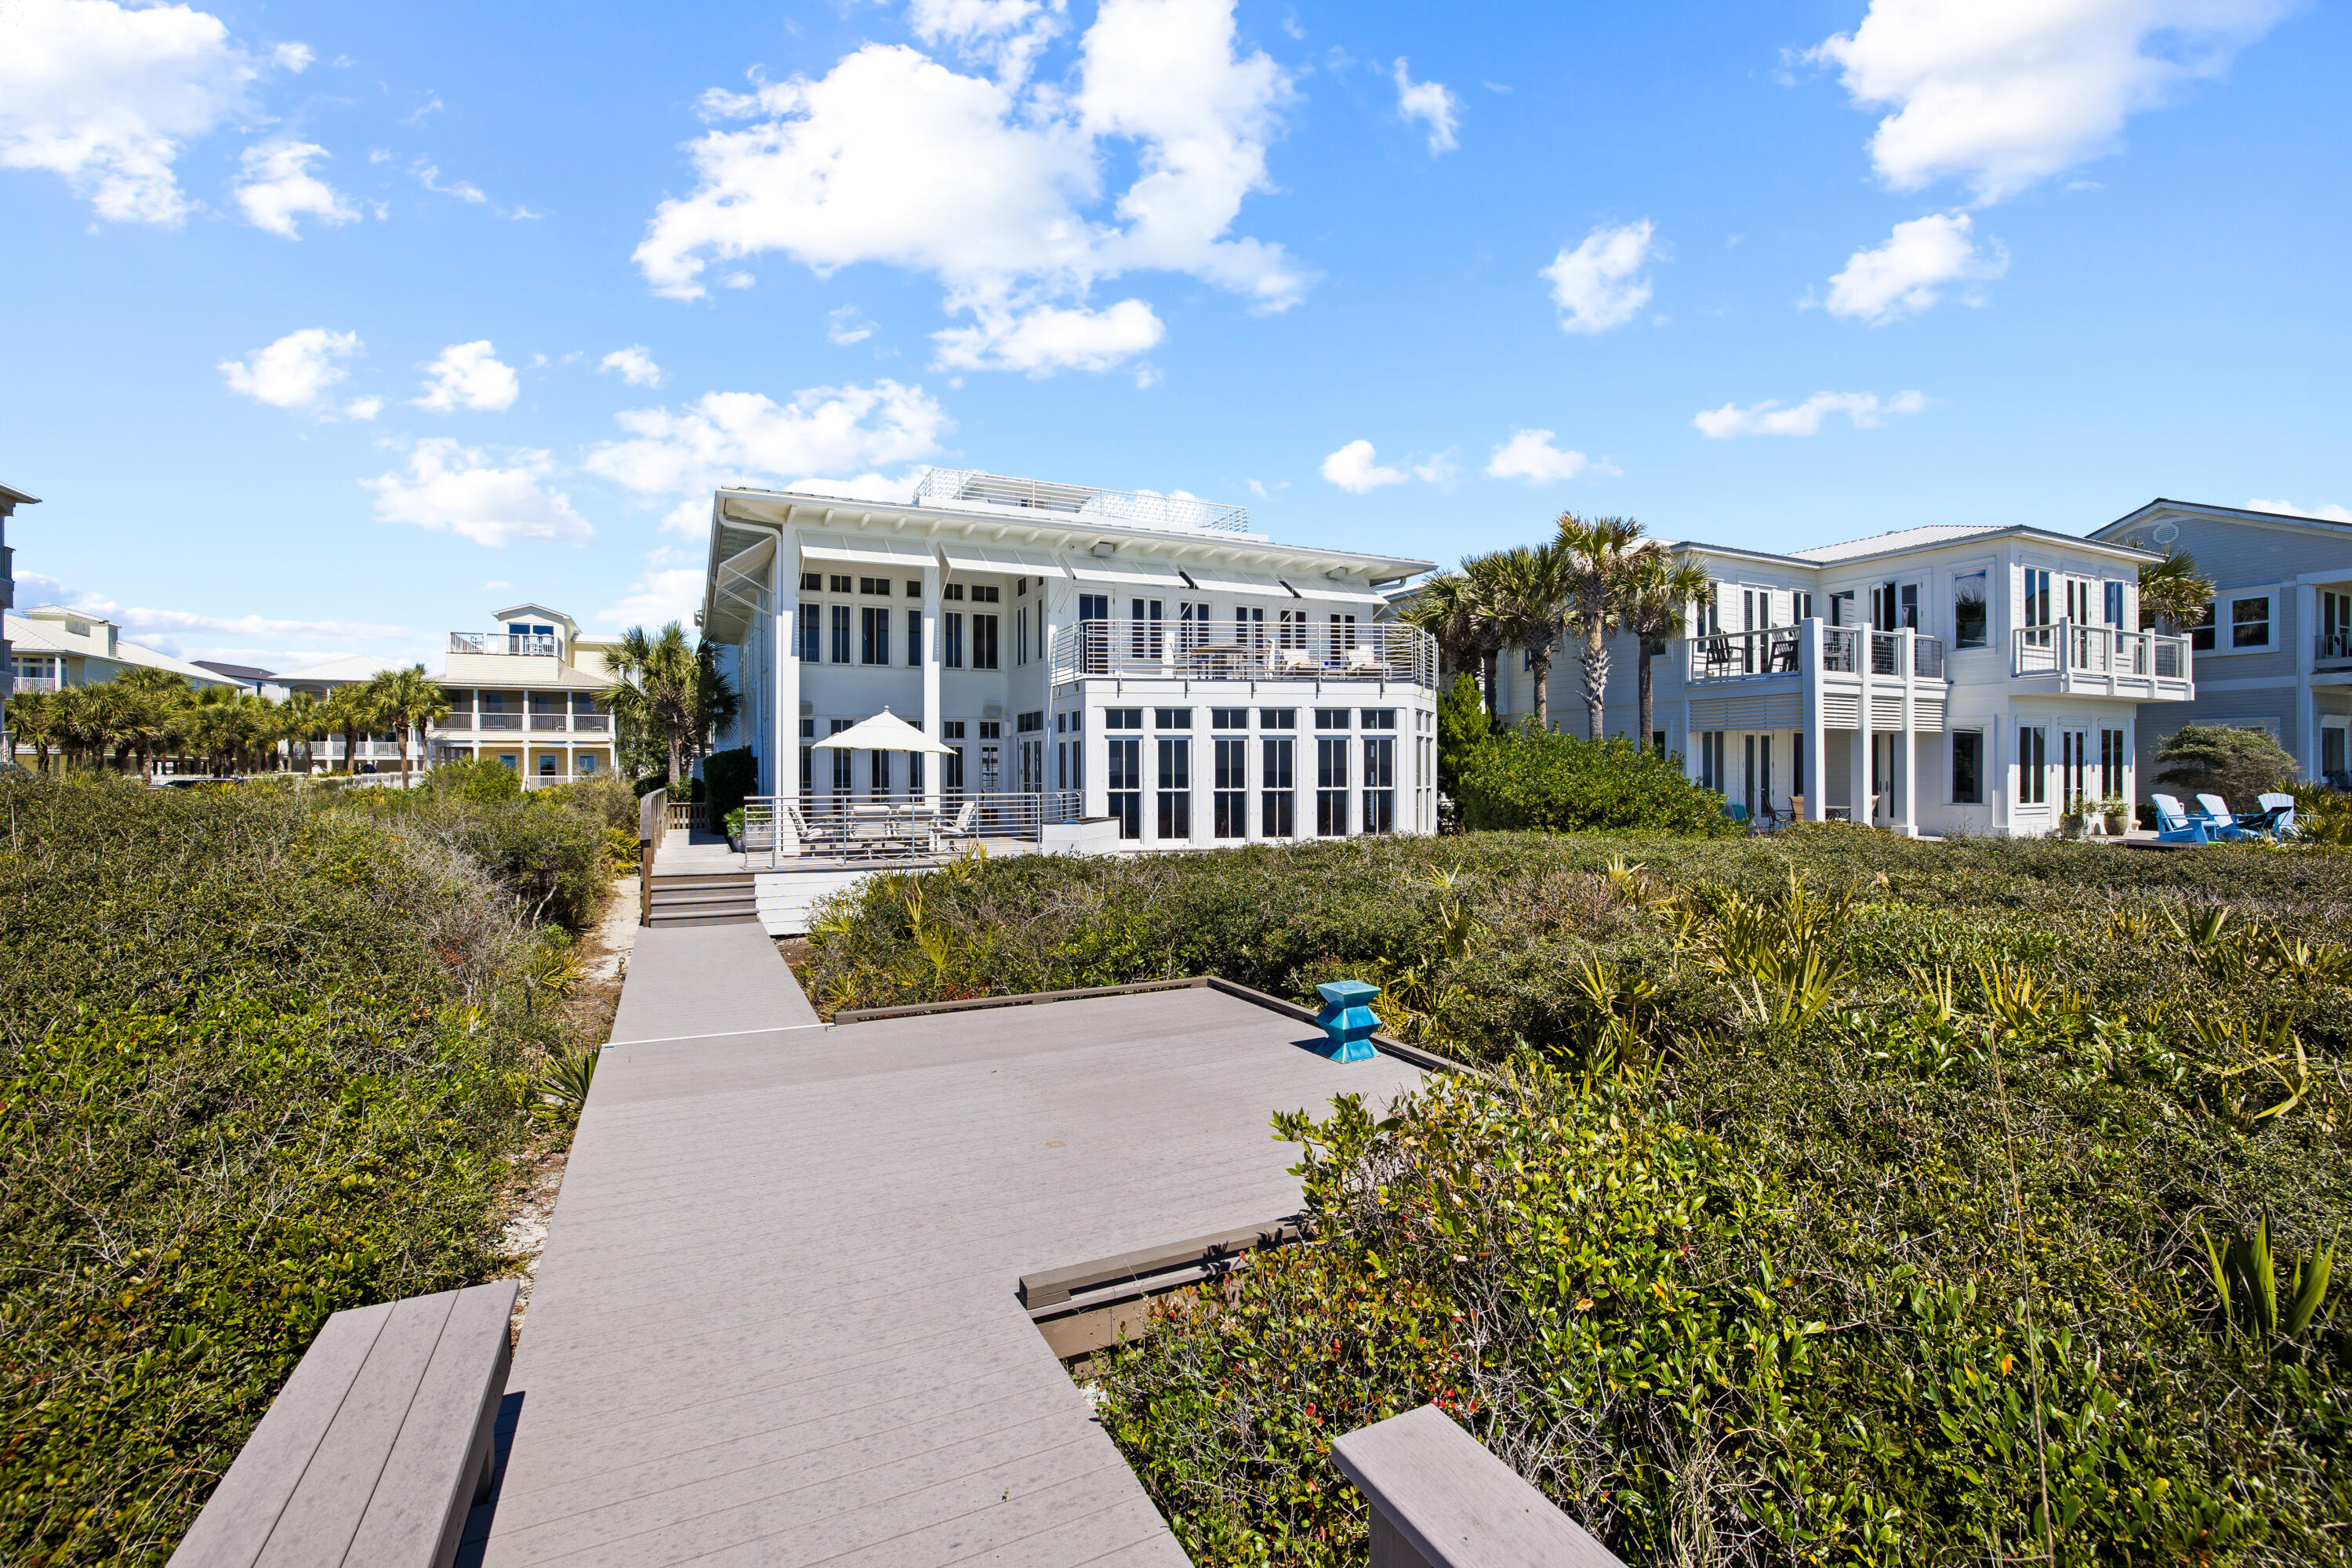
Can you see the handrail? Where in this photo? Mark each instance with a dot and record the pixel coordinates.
(1212, 650)
(526, 644)
(1135, 509)
(1777, 651)
(2069, 648)
(899, 824)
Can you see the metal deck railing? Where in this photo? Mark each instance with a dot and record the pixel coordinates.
(1206, 651)
(1130, 509)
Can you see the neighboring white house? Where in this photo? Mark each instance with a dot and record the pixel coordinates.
(1940, 679)
(51, 647)
(1098, 653)
(525, 695)
(2274, 651)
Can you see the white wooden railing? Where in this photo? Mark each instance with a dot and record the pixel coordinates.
(2071, 648)
(1777, 650)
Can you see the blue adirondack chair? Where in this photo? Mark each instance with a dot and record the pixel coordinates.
(2278, 810)
(2223, 823)
(2174, 826)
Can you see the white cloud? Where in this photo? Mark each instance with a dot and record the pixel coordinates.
(363, 408)
(469, 375)
(1353, 469)
(845, 325)
(997, 188)
(2003, 93)
(1003, 34)
(1430, 103)
(277, 187)
(460, 489)
(429, 176)
(656, 598)
(295, 371)
(635, 364)
(108, 96)
(1529, 455)
(1439, 468)
(139, 619)
(1601, 284)
(734, 437)
(2288, 509)
(1863, 408)
(1047, 337)
(1909, 273)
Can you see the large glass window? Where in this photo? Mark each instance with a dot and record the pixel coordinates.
(2036, 605)
(983, 642)
(2249, 622)
(841, 634)
(1331, 787)
(874, 639)
(1972, 622)
(951, 640)
(2201, 630)
(1277, 783)
(1175, 787)
(840, 758)
(1968, 767)
(2032, 765)
(1232, 781)
(1380, 784)
(1125, 778)
(2112, 758)
(2113, 603)
(808, 635)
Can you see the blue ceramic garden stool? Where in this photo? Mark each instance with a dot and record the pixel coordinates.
(1349, 1020)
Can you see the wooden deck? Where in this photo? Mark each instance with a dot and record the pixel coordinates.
(777, 1319)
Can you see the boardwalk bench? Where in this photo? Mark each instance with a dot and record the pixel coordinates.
(377, 1447)
(1441, 1500)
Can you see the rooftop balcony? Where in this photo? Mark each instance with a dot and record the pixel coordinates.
(968, 489)
(1190, 650)
(503, 642)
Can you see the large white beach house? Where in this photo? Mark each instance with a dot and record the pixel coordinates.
(1079, 654)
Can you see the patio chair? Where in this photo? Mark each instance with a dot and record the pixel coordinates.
(2221, 822)
(810, 835)
(2278, 814)
(959, 828)
(2174, 826)
(1365, 659)
(1292, 658)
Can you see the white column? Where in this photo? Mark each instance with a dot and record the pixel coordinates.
(934, 765)
(1906, 756)
(1858, 758)
(1817, 736)
(2305, 633)
(783, 727)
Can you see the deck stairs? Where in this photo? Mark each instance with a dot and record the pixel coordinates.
(706, 899)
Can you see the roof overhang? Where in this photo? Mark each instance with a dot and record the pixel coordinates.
(2161, 510)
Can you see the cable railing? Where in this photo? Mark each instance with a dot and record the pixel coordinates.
(898, 826)
(1131, 509)
(1776, 650)
(1209, 650)
(529, 644)
(2070, 647)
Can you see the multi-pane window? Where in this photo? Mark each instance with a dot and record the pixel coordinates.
(2249, 622)
(983, 642)
(1021, 633)
(985, 594)
(2036, 605)
(2032, 765)
(841, 634)
(1232, 781)
(1229, 718)
(837, 582)
(812, 582)
(2201, 630)
(1249, 625)
(873, 635)
(1331, 787)
(1124, 776)
(877, 770)
(915, 638)
(1379, 718)
(1331, 718)
(953, 591)
(2112, 760)
(1122, 718)
(951, 763)
(808, 633)
(1175, 787)
(2114, 604)
(1970, 623)
(1144, 617)
(876, 586)
(1277, 718)
(1276, 786)
(1171, 718)
(1379, 784)
(1294, 628)
(840, 758)
(808, 756)
(951, 639)
(1968, 767)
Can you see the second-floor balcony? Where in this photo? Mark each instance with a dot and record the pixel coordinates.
(2332, 648)
(32, 683)
(2104, 661)
(1194, 650)
(1779, 651)
(493, 720)
(520, 643)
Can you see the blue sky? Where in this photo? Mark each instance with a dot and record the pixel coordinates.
(333, 328)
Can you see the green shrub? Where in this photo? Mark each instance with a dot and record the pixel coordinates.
(1541, 779)
(262, 1057)
(2236, 765)
(481, 780)
(1463, 724)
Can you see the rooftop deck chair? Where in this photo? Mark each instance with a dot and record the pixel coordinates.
(959, 827)
(2278, 814)
(809, 833)
(2221, 822)
(1364, 659)
(2174, 826)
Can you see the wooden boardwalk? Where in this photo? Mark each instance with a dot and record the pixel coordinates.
(776, 1321)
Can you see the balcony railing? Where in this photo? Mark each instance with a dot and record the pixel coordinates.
(1194, 650)
(1776, 650)
(528, 645)
(1132, 509)
(33, 683)
(2332, 647)
(882, 826)
(2068, 647)
(578, 723)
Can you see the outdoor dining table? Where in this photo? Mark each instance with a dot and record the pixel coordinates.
(900, 827)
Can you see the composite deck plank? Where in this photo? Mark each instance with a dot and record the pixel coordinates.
(777, 1319)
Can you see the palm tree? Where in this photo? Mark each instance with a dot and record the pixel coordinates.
(153, 701)
(33, 720)
(1446, 607)
(407, 701)
(298, 721)
(1522, 592)
(1658, 593)
(349, 711)
(1603, 557)
(668, 693)
(2172, 593)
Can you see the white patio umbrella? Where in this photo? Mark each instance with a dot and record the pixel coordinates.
(885, 731)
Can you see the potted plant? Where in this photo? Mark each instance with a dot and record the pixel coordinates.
(2076, 820)
(734, 820)
(2117, 812)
